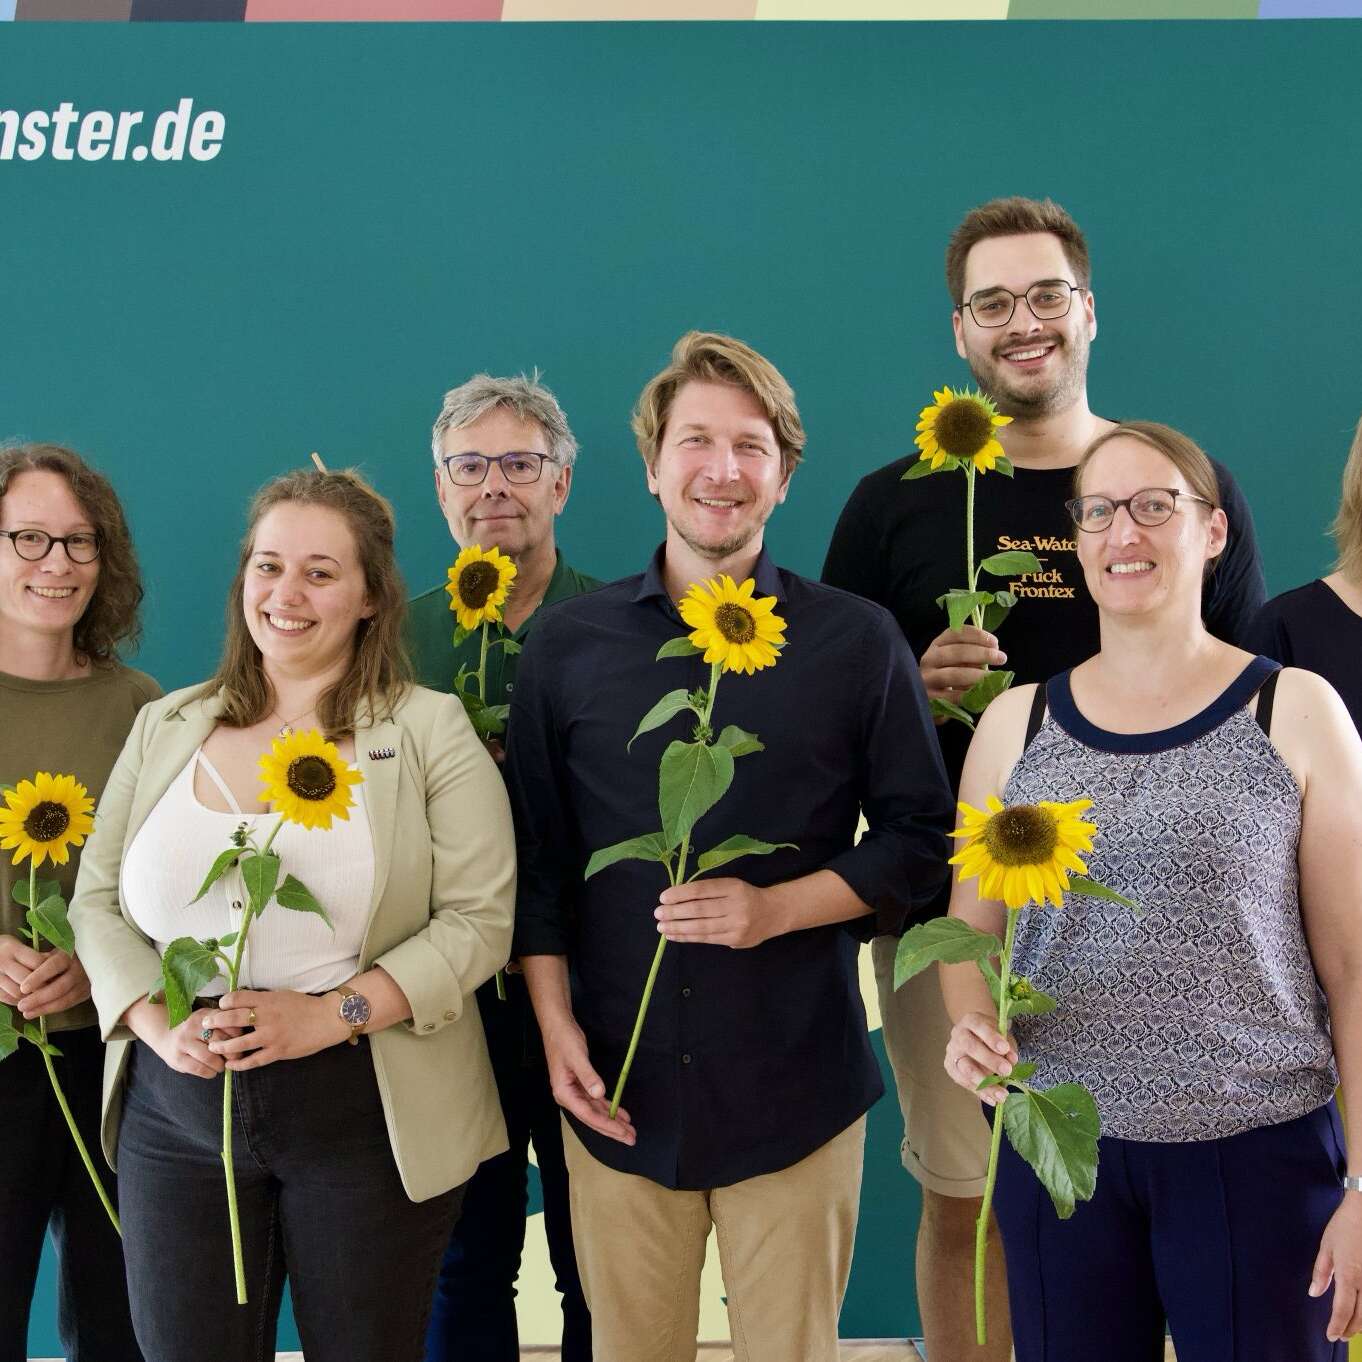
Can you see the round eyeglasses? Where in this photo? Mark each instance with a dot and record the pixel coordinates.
(1153, 506)
(518, 466)
(1048, 299)
(35, 545)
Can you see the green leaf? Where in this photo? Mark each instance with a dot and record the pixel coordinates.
(186, 967)
(959, 604)
(666, 708)
(1020, 1073)
(473, 704)
(462, 635)
(985, 691)
(462, 677)
(32, 1032)
(508, 643)
(691, 780)
(490, 720)
(1089, 888)
(649, 847)
(260, 873)
(677, 647)
(50, 1049)
(219, 868)
(734, 847)
(951, 711)
(47, 889)
(995, 614)
(229, 939)
(1056, 1132)
(9, 1037)
(922, 468)
(947, 940)
(739, 741)
(1010, 563)
(48, 919)
(1003, 465)
(1025, 1000)
(296, 895)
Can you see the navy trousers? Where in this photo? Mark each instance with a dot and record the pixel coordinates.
(1215, 1238)
(44, 1183)
(473, 1317)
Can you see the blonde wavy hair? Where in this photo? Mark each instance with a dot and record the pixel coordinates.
(1347, 526)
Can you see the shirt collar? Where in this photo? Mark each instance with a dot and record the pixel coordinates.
(766, 575)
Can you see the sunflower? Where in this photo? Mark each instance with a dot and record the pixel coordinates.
(478, 583)
(961, 426)
(45, 817)
(1026, 853)
(733, 628)
(306, 780)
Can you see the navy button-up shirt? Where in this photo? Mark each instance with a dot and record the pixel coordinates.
(750, 1059)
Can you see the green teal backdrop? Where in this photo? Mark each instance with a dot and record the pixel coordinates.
(397, 206)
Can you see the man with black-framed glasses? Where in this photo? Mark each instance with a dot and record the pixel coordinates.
(504, 456)
(1023, 316)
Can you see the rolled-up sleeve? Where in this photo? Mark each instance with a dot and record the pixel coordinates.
(900, 862)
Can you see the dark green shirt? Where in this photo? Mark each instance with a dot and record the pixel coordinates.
(430, 636)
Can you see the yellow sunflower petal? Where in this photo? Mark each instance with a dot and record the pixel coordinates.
(307, 781)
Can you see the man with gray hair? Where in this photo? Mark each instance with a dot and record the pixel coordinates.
(503, 469)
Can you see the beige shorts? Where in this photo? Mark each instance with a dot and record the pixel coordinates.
(945, 1135)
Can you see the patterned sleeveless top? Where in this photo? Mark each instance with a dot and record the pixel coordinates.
(1202, 1016)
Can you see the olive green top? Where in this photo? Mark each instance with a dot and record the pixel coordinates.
(430, 636)
(76, 728)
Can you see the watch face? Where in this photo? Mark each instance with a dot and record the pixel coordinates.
(355, 1010)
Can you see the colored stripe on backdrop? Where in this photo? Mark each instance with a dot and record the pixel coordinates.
(629, 9)
(883, 9)
(375, 11)
(71, 9)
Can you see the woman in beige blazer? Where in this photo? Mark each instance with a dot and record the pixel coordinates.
(350, 1158)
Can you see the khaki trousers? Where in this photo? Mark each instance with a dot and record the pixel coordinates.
(785, 1243)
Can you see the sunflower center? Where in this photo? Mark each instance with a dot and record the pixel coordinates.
(476, 583)
(47, 821)
(1024, 835)
(311, 778)
(735, 623)
(963, 428)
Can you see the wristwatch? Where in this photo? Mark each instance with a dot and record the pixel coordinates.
(354, 1011)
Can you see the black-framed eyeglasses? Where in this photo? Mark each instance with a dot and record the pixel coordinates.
(1153, 506)
(1048, 299)
(34, 545)
(517, 465)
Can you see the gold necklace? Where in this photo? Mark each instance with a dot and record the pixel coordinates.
(287, 729)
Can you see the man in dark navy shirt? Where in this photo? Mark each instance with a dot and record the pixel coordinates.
(1023, 314)
(745, 1105)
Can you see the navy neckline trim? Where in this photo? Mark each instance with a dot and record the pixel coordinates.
(1059, 697)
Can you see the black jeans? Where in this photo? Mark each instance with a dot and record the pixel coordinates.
(42, 1181)
(473, 1319)
(320, 1202)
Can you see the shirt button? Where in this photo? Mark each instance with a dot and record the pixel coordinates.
(429, 1026)
(685, 993)
(236, 903)
(509, 687)
(449, 1016)
(685, 1059)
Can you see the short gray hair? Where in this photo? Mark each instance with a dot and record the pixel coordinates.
(526, 396)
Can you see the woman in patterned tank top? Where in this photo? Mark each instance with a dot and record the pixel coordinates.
(1211, 1028)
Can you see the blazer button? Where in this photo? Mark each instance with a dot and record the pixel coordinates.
(429, 1026)
(449, 1016)
(685, 1059)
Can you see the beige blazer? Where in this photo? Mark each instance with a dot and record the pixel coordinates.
(439, 923)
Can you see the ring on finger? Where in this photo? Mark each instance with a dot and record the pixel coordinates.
(206, 1034)
(250, 1020)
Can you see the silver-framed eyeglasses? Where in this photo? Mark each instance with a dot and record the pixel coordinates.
(1153, 506)
(34, 545)
(1048, 300)
(517, 465)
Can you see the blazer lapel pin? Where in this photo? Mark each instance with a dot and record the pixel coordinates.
(381, 753)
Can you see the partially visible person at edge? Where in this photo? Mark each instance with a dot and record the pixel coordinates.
(363, 1098)
(504, 456)
(901, 544)
(69, 597)
(1319, 626)
(745, 1108)
(1212, 1026)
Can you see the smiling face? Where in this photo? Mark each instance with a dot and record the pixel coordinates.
(718, 472)
(304, 591)
(1028, 367)
(1134, 569)
(50, 595)
(515, 517)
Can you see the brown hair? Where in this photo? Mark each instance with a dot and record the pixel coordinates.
(708, 357)
(111, 618)
(1347, 526)
(1014, 216)
(380, 673)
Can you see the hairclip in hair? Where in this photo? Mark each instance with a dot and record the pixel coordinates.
(381, 753)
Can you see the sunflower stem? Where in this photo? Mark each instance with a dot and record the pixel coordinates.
(971, 572)
(677, 875)
(482, 695)
(981, 1225)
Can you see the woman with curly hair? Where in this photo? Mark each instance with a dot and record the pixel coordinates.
(69, 597)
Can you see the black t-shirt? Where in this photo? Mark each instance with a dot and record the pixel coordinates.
(1312, 627)
(902, 544)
